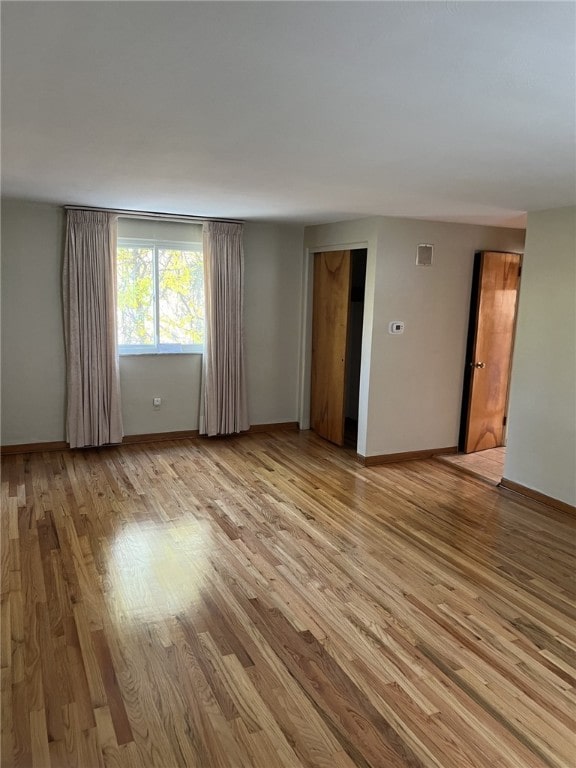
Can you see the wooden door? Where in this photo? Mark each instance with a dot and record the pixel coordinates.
(493, 319)
(329, 337)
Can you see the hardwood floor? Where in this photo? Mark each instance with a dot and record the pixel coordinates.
(488, 464)
(266, 601)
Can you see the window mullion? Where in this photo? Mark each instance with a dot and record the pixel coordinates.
(156, 299)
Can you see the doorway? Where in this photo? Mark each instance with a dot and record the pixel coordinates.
(337, 318)
(492, 324)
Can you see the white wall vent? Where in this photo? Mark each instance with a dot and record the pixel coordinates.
(424, 254)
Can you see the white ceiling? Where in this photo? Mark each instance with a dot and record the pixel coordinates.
(308, 111)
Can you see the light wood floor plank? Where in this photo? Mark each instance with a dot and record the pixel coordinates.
(268, 602)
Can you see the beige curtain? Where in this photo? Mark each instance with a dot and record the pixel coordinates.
(223, 409)
(89, 294)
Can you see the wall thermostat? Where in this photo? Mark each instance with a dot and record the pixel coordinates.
(396, 326)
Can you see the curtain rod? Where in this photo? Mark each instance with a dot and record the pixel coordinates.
(151, 214)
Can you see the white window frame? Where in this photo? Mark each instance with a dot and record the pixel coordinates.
(157, 348)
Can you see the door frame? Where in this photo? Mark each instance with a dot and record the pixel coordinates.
(470, 339)
(306, 309)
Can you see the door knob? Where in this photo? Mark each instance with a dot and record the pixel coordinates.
(478, 365)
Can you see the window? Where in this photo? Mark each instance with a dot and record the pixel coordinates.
(160, 297)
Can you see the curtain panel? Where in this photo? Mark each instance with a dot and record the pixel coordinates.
(89, 297)
(223, 409)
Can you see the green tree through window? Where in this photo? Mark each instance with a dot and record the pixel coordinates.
(160, 297)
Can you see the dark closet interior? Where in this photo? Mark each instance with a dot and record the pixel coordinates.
(354, 345)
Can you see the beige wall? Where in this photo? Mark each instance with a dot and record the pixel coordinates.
(272, 277)
(411, 385)
(174, 378)
(541, 451)
(33, 361)
(416, 378)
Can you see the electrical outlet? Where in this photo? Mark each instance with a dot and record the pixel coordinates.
(156, 402)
